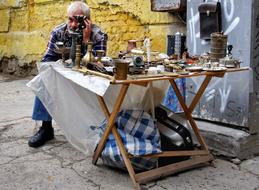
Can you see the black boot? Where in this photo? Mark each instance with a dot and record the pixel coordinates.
(45, 133)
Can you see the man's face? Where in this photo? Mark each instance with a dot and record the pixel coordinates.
(72, 22)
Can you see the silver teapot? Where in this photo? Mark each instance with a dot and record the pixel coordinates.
(229, 62)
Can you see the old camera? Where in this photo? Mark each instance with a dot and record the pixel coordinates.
(81, 22)
(137, 65)
(138, 61)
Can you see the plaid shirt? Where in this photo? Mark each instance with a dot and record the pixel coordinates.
(139, 136)
(61, 34)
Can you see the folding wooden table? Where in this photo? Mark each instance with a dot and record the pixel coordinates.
(197, 157)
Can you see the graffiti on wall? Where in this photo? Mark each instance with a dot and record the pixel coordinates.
(256, 48)
(228, 8)
(220, 100)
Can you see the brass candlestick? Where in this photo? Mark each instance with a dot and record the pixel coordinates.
(78, 56)
(99, 54)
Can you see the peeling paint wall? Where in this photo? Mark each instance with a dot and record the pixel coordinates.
(26, 24)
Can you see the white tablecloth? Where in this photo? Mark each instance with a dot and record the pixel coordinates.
(70, 98)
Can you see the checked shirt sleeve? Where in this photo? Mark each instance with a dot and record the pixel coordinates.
(101, 45)
(50, 54)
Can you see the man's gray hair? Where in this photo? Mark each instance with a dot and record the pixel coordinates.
(81, 6)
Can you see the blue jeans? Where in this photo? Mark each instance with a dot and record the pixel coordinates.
(40, 112)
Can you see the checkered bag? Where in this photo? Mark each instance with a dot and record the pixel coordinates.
(139, 136)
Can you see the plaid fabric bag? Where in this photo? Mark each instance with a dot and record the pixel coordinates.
(139, 136)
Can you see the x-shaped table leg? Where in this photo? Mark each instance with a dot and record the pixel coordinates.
(111, 121)
(188, 110)
(111, 128)
(115, 133)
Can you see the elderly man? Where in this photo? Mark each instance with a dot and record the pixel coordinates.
(62, 33)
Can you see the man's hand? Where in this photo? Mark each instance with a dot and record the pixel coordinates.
(87, 31)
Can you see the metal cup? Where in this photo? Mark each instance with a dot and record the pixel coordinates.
(121, 69)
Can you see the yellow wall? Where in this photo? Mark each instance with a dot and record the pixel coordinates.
(26, 24)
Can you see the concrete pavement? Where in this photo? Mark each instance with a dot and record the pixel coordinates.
(60, 166)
